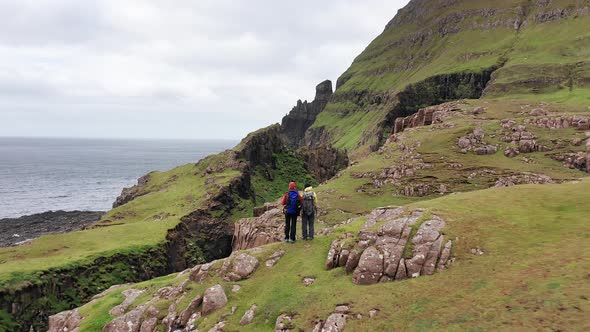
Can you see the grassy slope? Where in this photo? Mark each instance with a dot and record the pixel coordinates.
(533, 275)
(538, 51)
(342, 199)
(137, 225)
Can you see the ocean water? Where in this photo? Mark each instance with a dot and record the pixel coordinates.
(42, 174)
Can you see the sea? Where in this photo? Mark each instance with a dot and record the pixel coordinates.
(43, 174)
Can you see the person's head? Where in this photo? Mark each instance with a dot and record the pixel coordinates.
(307, 185)
(292, 185)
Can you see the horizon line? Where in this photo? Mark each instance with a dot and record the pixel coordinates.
(122, 138)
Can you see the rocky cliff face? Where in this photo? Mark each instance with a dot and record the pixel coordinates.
(295, 124)
(321, 158)
(259, 147)
(130, 193)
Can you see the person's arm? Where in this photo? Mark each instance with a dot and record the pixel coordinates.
(284, 201)
(315, 199)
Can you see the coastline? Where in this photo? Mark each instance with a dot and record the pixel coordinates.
(21, 230)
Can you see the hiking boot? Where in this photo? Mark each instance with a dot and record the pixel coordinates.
(287, 240)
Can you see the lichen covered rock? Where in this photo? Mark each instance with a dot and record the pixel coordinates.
(214, 299)
(378, 255)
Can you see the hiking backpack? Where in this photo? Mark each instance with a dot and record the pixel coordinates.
(293, 205)
(308, 203)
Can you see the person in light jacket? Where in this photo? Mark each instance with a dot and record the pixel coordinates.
(308, 212)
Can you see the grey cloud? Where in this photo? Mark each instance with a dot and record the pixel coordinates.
(184, 62)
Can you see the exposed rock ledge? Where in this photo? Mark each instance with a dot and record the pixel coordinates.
(383, 250)
(258, 231)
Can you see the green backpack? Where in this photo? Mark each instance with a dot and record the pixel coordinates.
(308, 203)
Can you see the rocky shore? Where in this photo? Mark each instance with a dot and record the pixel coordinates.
(16, 231)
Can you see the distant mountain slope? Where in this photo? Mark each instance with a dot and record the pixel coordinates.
(436, 51)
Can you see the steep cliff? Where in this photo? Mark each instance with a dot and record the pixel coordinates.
(295, 124)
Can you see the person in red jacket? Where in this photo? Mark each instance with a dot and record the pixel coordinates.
(291, 202)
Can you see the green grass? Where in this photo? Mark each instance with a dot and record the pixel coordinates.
(531, 277)
(288, 167)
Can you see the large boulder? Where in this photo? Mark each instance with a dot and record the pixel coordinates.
(243, 265)
(214, 299)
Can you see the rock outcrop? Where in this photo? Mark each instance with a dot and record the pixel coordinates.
(323, 160)
(523, 178)
(130, 193)
(295, 124)
(475, 142)
(523, 141)
(577, 122)
(67, 321)
(425, 117)
(236, 267)
(258, 148)
(384, 251)
(574, 160)
(258, 231)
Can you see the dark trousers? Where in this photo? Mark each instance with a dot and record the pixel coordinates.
(290, 226)
(307, 225)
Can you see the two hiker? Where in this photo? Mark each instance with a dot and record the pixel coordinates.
(294, 204)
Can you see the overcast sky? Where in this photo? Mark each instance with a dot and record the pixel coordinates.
(171, 69)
